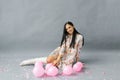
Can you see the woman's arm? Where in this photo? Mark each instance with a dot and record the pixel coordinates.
(77, 53)
(60, 54)
(56, 62)
(78, 46)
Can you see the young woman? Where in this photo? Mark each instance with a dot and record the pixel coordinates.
(69, 50)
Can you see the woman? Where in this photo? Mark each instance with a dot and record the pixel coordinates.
(68, 51)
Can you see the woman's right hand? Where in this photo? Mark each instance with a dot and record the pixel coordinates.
(55, 62)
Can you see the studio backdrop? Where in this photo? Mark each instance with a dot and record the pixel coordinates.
(38, 24)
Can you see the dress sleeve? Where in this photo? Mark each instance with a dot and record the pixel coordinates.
(62, 49)
(78, 46)
(79, 41)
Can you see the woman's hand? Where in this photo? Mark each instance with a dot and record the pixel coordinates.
(55, 62)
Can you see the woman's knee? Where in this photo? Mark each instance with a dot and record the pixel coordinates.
(50, 59)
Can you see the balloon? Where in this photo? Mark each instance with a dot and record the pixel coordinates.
(38, 63)
(38, 69)
(52, 71)
(48, 66)
(67, 70)
(77, 67)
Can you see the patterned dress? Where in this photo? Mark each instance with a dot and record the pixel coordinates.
(69, 54)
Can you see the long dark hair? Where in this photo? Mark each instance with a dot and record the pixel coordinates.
(65, 33)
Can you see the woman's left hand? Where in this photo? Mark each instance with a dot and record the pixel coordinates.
(55, 62)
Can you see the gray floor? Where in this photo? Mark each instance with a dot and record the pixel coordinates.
(99, 65)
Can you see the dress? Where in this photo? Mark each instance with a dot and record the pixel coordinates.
(70, 57)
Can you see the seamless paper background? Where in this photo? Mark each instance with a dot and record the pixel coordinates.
(38, 24)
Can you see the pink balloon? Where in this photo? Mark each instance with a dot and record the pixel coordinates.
(67, 70)
(38, 71)
(77, 67)
(52, 71)
(48, 66)
(38, 63)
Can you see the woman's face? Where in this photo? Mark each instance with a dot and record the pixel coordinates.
(69, 29)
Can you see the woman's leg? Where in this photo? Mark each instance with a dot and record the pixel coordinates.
(32, 61)
(53, 55)
(51, 58)
(48, 59)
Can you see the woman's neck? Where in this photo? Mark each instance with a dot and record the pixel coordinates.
(69, 34)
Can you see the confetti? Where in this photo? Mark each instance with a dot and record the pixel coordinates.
(103, 73)
(3, 69)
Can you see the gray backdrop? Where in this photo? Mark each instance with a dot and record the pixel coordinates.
(38, 24)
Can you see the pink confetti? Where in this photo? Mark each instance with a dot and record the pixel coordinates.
(83, 63)
(103, 73)
(2, 69)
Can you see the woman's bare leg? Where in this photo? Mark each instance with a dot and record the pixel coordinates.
(51, 58)
(32, 61)
(48, 59)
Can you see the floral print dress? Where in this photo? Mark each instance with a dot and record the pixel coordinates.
(69, 54)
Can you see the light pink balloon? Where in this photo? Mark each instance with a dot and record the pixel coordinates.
(48, 66)
(77, 67)
(38, 71)
(67, 70)
(38, 63)
(52, 71)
